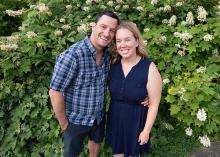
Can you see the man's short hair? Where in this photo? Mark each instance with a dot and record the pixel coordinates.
(107, 13)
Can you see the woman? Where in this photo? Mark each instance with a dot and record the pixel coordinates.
(132, 77)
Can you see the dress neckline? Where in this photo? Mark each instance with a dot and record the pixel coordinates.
(122, 71)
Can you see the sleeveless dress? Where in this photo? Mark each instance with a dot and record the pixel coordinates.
(127, 116)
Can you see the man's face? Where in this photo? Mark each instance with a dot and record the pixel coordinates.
(103, 31)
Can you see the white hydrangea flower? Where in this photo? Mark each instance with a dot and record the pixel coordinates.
(165, 21)
(145, 42)
(178, 45)
(166, 81)
(31, 34)
(185, 36)
(146, 29)
(110, 3)
(89, 2)
(153, 2)
(125, 6)
(8, 47)
(201, 70)
(13, 37)
(205, 141)
(181, 53)
(183, 23)
(82, 28)
(208, 37)
(58, 33)
(140, 8)
(68, 7)
(183, 98)
(188, 131)
(151, 15)
(163, 38)
(182, 90)
(189, 18)
(160, 9)
(66, 27)
(117, 7)
(39, 44)
(202, 13)
(179, 4)
(15, 13)
(167, 8)
(172, 20)
(201, 115)
(89, 16)
(62, 20)
(42, 8)
(86, 8)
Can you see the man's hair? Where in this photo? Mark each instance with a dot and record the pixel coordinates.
(107, 13)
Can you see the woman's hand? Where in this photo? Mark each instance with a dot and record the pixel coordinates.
(143, 138)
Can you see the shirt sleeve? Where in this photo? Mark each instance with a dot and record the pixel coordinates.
(64, 71)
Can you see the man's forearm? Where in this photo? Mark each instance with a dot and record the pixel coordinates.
(57, 101)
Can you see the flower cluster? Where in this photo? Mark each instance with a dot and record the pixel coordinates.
(66, 27)
(163, 38)
(125, 6)
(179, 4)
(146, 29)
(189, 18)
(166, 81)
(86, 8)
(140, 8)
(83, 28)
(166, 9)
(14, 13)
(172, 20)
(68, 7)
(110, 3)
(208, 37)
(31, 34)
(182, 91)
(153, 2)
(62, 20)
(201, 70)
(188, 131)
(201, 115)
(8, 47)
(42, 8)
(185, 36)
(201, 14)
(165, 21)
(13, 37)
(58, 33)
(205, 141)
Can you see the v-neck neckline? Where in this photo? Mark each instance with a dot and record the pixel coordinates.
(122, 71)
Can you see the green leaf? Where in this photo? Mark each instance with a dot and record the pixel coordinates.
(174, 109)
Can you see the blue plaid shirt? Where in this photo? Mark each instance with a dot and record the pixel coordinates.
(82, 82)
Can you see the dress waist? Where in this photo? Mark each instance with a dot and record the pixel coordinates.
(130, 102)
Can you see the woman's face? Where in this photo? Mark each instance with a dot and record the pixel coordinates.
(126, 43)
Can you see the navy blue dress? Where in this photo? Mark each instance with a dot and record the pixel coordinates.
(127, 116)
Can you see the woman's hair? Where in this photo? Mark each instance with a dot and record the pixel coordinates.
(140, 50)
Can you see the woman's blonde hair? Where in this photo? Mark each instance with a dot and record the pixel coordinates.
(137, 35)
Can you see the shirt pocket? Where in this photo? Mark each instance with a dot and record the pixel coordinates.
(86, 79)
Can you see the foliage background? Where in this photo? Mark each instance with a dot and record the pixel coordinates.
(189, 66)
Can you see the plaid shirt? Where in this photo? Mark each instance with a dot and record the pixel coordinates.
(82, 82)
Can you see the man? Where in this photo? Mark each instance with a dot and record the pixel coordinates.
(78, 86)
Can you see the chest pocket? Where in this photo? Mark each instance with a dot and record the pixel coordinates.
(86, 79)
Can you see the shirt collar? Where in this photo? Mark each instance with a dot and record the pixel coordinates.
(93, 50)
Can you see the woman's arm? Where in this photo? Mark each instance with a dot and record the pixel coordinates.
(154, 88)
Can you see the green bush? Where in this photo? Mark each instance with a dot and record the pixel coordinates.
(185, 50)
